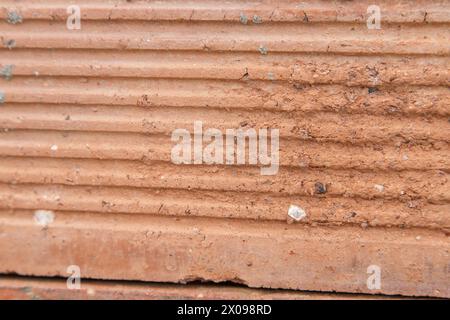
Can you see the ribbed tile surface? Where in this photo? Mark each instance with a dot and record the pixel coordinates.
(87, 117)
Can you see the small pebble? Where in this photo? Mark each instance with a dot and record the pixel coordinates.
(296, 213)
(320, 188)
(379, 187)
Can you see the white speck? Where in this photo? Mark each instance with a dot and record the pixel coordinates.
(379, 187)
(364, 225)
(418, 237)
(36, 73)
(91, 292)
(54, 147)
(44, 217)
(296, 213)
(405, 157)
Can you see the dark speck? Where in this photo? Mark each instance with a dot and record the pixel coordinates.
(320, 188)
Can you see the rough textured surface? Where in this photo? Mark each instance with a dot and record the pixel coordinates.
(86, 118)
